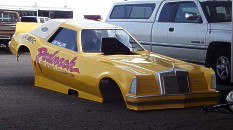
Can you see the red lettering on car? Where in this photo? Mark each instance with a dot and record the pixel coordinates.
(55, 60)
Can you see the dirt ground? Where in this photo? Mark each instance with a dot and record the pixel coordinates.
(23, 106)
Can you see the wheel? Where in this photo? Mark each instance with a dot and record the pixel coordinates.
(222, 65)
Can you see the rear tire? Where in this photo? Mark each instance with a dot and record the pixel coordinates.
(221, 66)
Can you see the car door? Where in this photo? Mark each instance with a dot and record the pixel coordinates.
(187, 36)
(165, 15)
(59, 56)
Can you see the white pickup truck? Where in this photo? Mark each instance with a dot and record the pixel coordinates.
(193, 30)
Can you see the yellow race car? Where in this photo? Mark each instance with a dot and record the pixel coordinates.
(101, 62)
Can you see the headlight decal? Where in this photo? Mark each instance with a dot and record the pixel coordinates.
(133, 86)
(213, 81)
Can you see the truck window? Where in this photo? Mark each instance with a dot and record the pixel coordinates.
(8, 17)
(217, 11)
(29, 19)
(186, 7)
(167, 12)
(132, 11)
(42, 20)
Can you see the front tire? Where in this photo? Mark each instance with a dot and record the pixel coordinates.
(222, 65)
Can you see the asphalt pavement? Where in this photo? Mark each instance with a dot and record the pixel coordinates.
(26, 107)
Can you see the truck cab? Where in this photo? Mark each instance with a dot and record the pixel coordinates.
(197, 31)
(8, 20)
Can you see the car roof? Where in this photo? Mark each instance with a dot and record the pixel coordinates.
(90, 24)
(47, 28)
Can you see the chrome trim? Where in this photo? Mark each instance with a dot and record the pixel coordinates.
(149, 96)
(175, 73)
(9, 43)
(175, 101)
(5, 37)
(173, 66)
(189, 46)
(204, 97)
(213, 82)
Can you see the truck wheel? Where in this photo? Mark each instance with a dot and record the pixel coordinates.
(222, 65)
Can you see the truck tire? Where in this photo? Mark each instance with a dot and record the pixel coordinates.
(222, 65)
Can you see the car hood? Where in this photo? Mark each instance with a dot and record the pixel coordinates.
(147, 63)
(227, 26)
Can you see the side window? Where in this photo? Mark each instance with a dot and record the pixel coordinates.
(47, 19)
(142, 11)
(42, 20)
(65, 38)
(8, 17)
(167, 12)
(121, 12)
(136, 11)
(91, 40)
(186, 7)
(219, 11)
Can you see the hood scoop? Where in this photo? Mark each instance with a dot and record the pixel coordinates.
(112, 46)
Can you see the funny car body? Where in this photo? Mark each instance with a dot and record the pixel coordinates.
(98, 60)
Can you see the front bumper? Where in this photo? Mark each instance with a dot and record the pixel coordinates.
(6, 37)
(171, 101)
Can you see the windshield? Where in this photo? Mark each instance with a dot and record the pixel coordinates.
(217, 11)
(8, 17)
(91, 39)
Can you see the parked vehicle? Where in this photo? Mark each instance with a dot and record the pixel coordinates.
(93, 17)
(198, 31)
(34, 19)
(40, 11)
(102, 62)
(8, 20)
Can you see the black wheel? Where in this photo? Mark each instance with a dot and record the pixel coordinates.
(222, 65)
